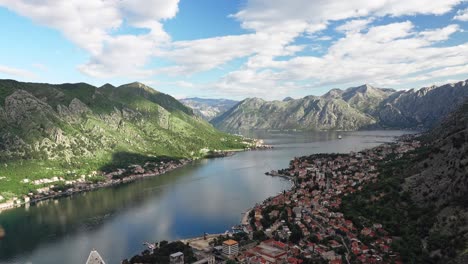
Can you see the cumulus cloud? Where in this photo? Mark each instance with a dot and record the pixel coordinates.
(92, 25)
(385, 54)
(388, 55)
(205, 54)
(440, 34)
(462, 15)
(276, 25)
(268, 14)
(355, 25)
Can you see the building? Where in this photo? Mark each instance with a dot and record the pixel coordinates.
(207, 260)
(177, 258)
(230, 247)
(269, 252)
(95, 258)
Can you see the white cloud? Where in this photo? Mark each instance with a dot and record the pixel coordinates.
(252, 83)
(11, 71)
(388, 55)
(355, 25)
(324, 38)
(384, 54)
(442, 72)
(276, 25)
(267, 15)
(91, 25)
(462, 15)
(205, 54)
(440, 34)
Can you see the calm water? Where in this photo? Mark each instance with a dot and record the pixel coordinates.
(207, 196)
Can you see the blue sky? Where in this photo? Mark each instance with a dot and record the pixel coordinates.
(236, 49)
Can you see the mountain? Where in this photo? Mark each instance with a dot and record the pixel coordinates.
(438, 180)
(49, 130)
(307, 113)
(421, 195)
(208, 108)
(354, 108)
(421, 108)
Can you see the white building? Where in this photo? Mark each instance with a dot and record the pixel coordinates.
(177, 258)
(230, 247)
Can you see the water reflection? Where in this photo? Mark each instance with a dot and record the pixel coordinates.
(208, 196)
(50, 220)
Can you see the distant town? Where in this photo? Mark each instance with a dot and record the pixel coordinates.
(304, 224)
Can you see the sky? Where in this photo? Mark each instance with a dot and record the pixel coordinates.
(236, 49)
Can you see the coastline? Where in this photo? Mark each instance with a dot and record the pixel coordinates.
(320, 209)
(81, 185)
(244, 222)
(200, 244)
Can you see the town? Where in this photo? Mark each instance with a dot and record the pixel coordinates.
(72, 183)
(304, 224)
(44, 189)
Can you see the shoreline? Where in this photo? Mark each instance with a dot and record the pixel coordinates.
(110, 181)
(82, 187)
(244, 222)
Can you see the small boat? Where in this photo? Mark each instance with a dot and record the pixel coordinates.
(340, 137)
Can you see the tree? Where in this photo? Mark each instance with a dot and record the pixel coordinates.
(259, 235)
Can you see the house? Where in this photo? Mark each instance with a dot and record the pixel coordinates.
(366, 231)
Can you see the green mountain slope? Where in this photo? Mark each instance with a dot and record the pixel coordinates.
(51, 130)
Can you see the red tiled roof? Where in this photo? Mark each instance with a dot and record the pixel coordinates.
(295, 261)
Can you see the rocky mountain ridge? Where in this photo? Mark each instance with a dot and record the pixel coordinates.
(354, 108)
(208, 108)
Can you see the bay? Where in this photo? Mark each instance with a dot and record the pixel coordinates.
(205, 196)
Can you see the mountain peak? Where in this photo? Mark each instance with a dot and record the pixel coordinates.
(136, 85)
(139, 86)
(365, 88)
(333, 93)
(107, 85)
(287, 99)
